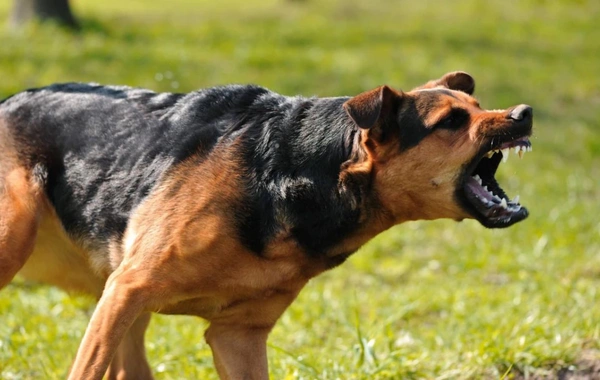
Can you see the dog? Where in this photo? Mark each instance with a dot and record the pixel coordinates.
(222, 203)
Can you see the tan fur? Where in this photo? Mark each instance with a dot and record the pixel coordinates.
(19, 218)
(56, 260)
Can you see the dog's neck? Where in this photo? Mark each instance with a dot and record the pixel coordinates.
(353, 195)
(305, 160)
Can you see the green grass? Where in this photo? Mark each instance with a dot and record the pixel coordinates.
(429, 300)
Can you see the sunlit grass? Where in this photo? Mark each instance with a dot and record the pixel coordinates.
(424, 300)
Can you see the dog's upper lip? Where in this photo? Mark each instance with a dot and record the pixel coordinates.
(518, 142)
(518, 133)
(520, 145)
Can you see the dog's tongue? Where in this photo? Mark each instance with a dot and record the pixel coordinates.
(490, 204)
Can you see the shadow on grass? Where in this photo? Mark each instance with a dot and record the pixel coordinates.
(587, 367)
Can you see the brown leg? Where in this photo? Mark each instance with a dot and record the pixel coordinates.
(238, 339)
(240, 352)
(123, 301)
(19, 203)
(130, 360)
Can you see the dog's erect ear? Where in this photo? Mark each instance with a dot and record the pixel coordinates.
(368, 108)
(456, 80)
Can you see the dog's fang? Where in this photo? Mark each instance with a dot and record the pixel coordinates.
(503, 203)
(505, 153)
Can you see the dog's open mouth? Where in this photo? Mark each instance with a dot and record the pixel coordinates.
(493, 208)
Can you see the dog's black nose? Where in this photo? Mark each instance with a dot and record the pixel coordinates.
(521, 112)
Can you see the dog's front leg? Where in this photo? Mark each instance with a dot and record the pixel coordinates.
(238, 336)
(240, 352)
(130, 361)
(124, 299)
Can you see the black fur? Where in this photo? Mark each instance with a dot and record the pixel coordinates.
(105, 148)
(294, 150)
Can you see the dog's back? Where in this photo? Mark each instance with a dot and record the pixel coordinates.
(99, 150)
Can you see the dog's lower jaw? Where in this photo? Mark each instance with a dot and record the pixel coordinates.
(410, 208)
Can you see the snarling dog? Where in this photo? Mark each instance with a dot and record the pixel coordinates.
(222, 203)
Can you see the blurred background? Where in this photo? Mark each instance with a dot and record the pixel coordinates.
(428, 300)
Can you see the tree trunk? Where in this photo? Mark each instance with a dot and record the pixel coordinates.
(55, 10)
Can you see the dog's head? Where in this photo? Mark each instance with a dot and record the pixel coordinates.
(434, 151)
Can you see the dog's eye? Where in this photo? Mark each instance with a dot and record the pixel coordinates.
(455, 120)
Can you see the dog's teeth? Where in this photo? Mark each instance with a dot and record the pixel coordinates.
(489, 154)
(485, 188)
(503, 203)
(520, 150)
(516, 199)
(505, 152)
(478, 179)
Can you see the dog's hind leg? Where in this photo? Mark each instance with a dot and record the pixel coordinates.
(130, 360)
(19, 213)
